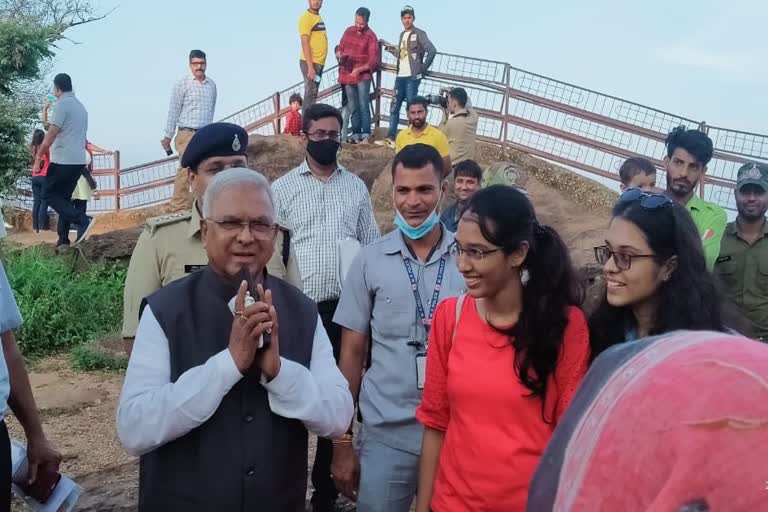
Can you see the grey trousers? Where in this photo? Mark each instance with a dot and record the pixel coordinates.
(311, 87)
(388, 477)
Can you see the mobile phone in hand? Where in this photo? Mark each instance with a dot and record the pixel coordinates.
(43, 486)
(245, 275)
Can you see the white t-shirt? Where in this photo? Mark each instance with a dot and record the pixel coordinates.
(405, 64)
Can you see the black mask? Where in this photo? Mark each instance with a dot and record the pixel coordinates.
(323, 151)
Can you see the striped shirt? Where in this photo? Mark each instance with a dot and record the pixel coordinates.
(320, 214)
(192, 104)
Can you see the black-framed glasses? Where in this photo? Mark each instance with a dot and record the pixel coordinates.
(472, 253)
(623, 260)
(319, 135)
(260, 230)
(648, 200)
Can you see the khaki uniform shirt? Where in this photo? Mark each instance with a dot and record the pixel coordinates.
(461, 131)
(169, 248)
(743, 272)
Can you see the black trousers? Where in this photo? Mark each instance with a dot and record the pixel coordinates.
(5, 469)
(63, 226)
(325, 493)
(59, 185)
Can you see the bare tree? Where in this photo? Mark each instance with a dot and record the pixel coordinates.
(64, 13)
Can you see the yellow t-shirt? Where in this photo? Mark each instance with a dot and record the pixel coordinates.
(312, 25)
(431, 137)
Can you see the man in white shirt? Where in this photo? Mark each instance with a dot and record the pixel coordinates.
(218, 396)
(193, 102)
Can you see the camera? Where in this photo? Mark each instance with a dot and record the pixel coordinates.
(440, 99)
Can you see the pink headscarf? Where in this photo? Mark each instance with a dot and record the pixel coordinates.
(670, 424)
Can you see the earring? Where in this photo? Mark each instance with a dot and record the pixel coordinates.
(525, 276)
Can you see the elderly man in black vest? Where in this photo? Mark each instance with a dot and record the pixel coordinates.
(218, 396)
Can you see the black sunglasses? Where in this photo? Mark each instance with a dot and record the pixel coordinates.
(649, 201)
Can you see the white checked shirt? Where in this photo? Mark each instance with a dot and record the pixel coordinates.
(320, 214)
(192, 104)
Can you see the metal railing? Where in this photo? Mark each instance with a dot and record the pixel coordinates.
(590, 132)
(106, 172)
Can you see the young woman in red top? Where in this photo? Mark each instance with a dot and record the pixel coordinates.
(503, 362)
(39, 204)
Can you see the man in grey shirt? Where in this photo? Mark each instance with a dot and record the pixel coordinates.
(391, 291)
(66, 142)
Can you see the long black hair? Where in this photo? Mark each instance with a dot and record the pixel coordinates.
(507, 220)
(688, 300)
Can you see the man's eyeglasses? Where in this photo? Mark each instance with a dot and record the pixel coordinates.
(648, 200)
(472, 253)
(622, 260)
(319, 135)
(259, 230)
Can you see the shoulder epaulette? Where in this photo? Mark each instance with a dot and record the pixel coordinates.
(154, 223)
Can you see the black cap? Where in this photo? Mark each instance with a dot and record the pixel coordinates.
(407, 9)
(216, 139)
(753, 174)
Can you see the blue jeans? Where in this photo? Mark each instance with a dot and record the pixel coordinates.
(405, 90)
(39, 204)
(359, 105)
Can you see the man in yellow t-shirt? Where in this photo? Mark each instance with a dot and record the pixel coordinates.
(314, 50)
(421, 132)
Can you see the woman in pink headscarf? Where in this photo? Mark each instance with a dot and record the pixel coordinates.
(676, 423)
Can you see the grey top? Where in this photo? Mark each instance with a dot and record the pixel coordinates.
(72, 119)
(377, 297)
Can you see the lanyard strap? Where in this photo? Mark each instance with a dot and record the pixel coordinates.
(426, 321)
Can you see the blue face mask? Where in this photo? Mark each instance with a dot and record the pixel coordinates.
(420, 231)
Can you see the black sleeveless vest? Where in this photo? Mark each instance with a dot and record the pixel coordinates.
(244, 458)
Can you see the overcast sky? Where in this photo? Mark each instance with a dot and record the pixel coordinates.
(702, 59)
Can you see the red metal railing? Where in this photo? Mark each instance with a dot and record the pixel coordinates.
(590, 132)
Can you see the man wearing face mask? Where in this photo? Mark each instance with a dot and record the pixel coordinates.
(321, 203)
(391, 291)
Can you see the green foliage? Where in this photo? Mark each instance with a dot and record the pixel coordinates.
(15, 125)
(90, 358)
(29, 31)
(63, 306)
(24, 46)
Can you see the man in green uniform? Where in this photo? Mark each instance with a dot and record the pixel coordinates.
(743, 263)
(170, 246)
(688, 153)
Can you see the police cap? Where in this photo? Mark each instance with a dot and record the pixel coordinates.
(216, 139)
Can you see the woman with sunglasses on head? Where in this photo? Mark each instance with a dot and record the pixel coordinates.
(656, 274)
(503, 361)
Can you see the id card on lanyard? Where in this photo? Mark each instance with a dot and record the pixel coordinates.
(426, 319)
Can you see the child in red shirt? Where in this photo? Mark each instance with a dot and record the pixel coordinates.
(293, 118)
(503, 361)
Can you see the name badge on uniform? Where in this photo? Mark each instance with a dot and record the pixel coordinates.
(421, 370)
(723, 259)
(188, 269)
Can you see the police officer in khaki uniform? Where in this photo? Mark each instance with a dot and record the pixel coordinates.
(743, 262)
(170, 246)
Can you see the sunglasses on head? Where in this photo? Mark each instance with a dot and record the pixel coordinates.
(649, 201)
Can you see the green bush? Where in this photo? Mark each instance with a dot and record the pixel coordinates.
(89, 358)
(64, 301)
